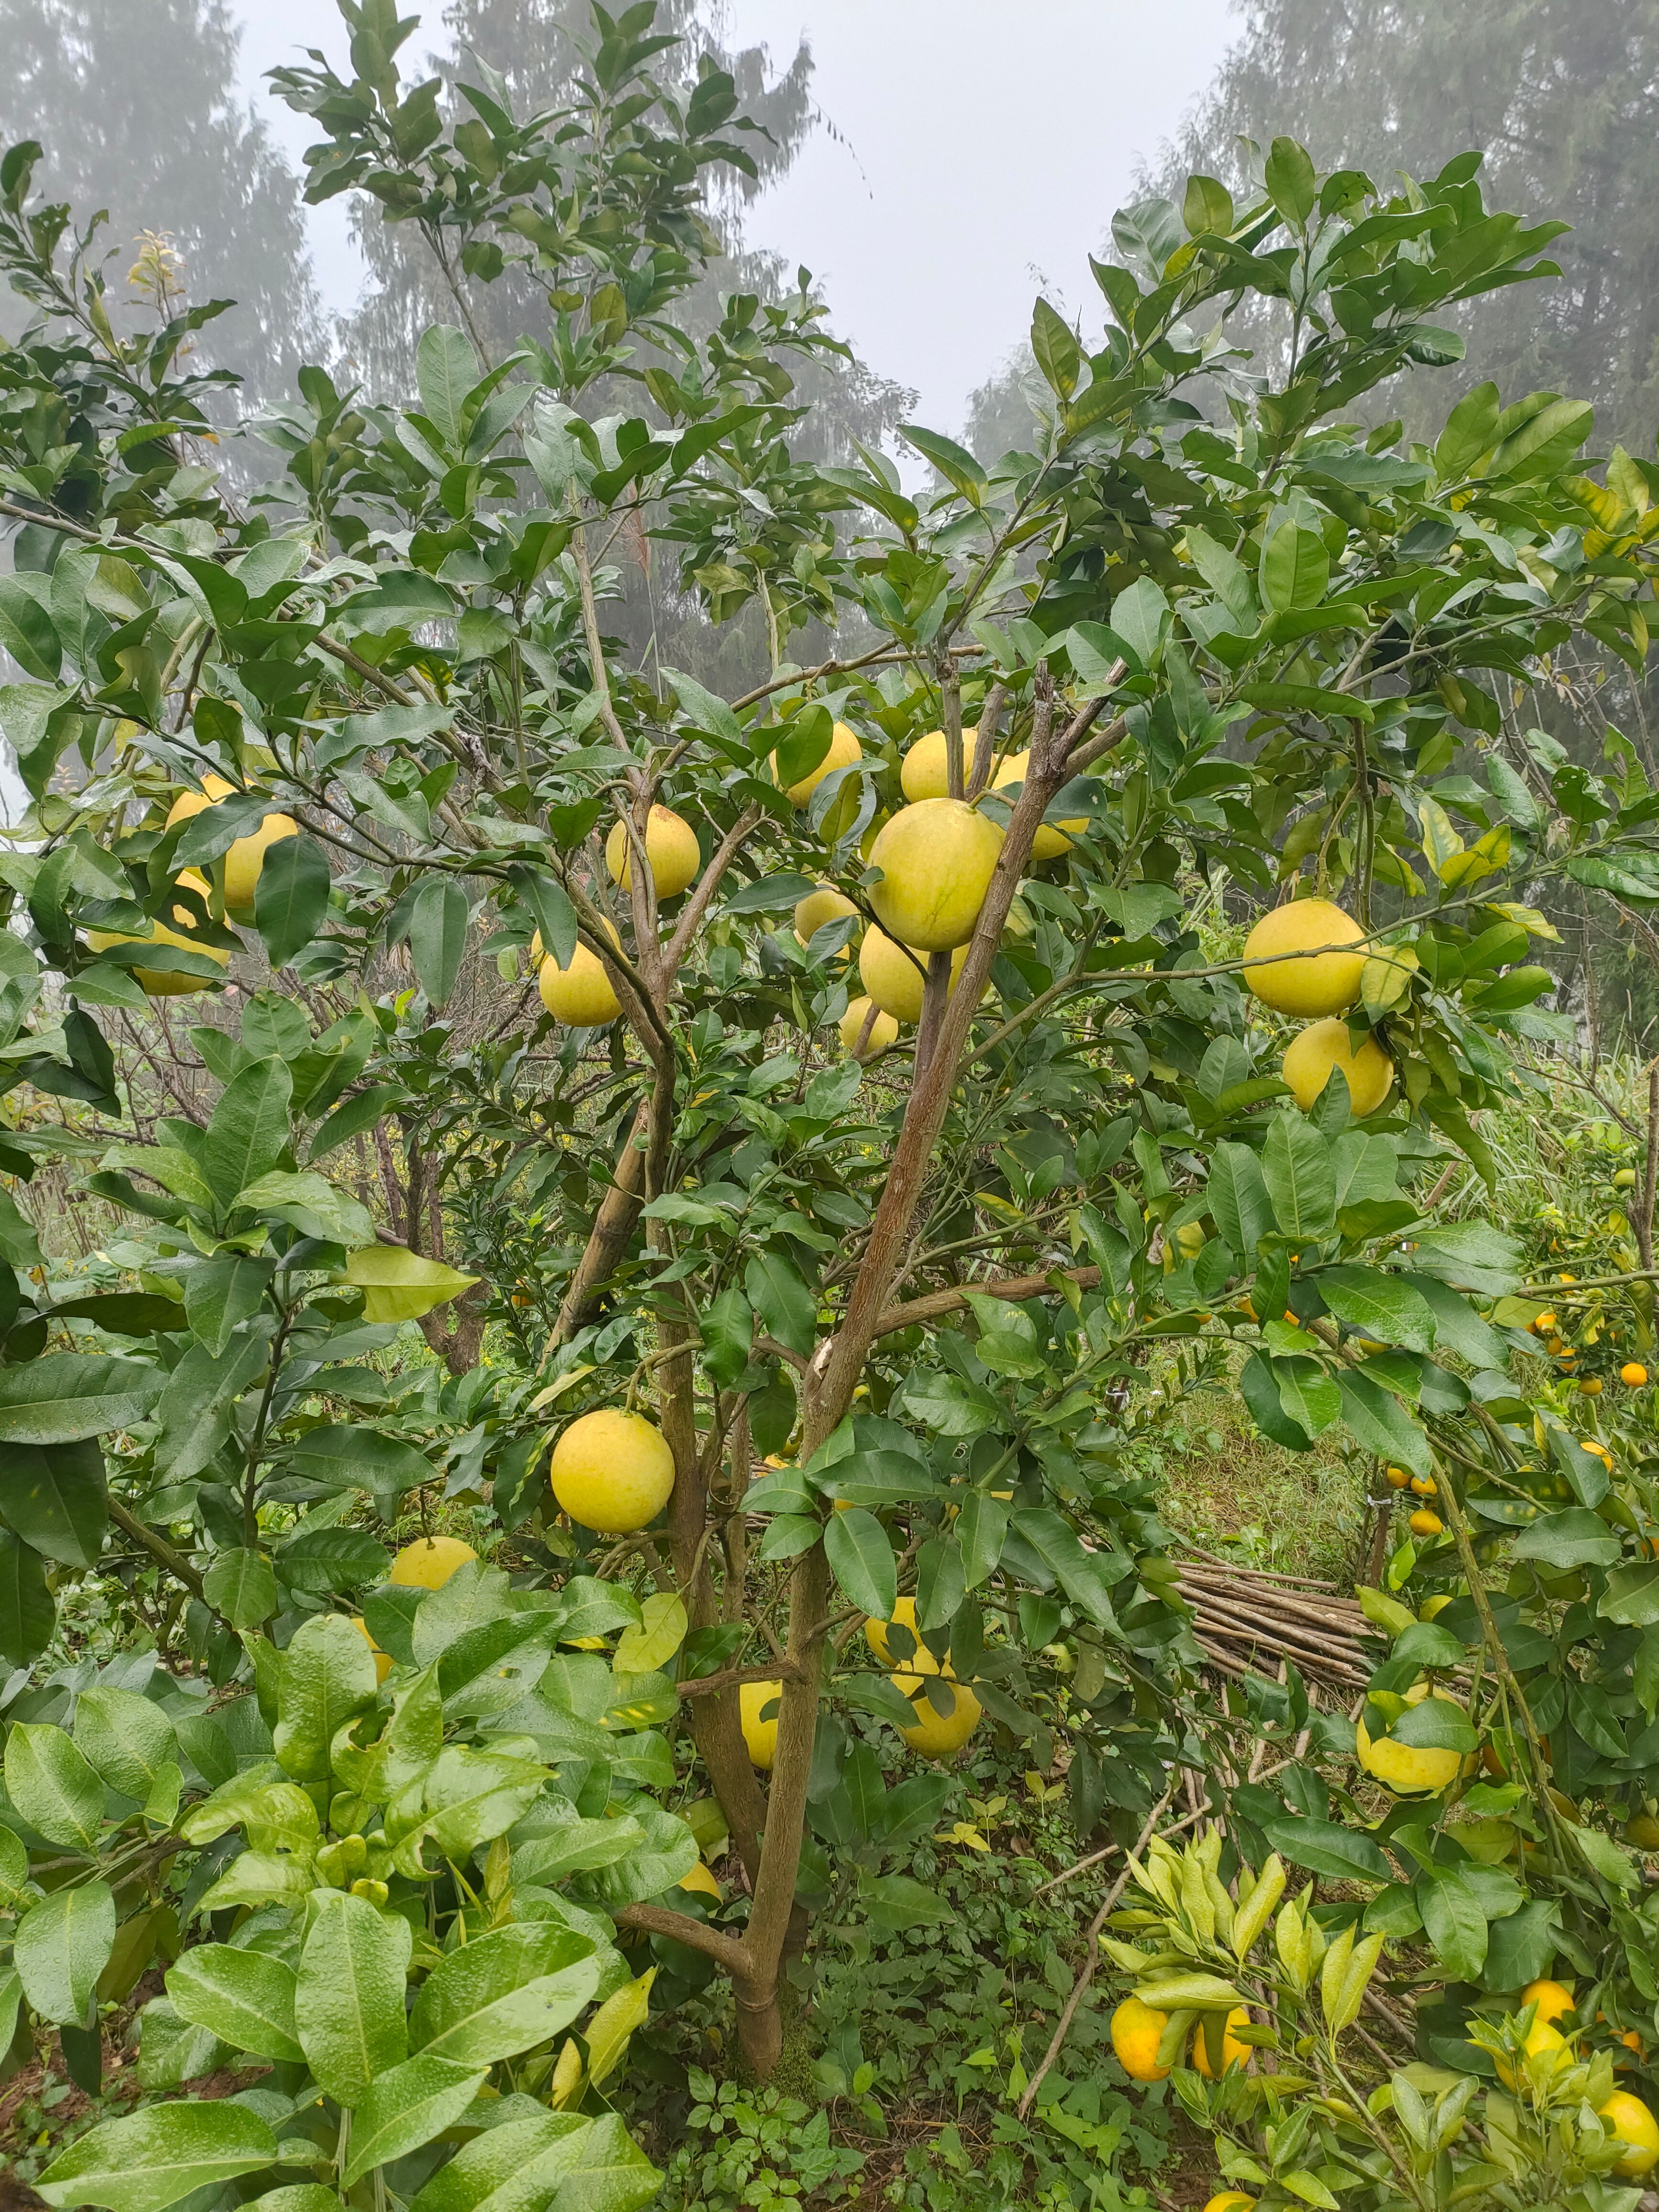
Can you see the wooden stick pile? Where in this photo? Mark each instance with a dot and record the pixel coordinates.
(1246, 1622)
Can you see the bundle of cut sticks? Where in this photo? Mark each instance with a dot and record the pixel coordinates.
(1248, 1622)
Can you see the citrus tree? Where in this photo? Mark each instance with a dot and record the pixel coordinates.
(903, 1094)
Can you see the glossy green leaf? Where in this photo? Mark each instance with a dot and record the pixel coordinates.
(861, 1560)
(349, 1998)
(61, 1946)
(153, 2158)
(67, 1395)
(51, 1785)
(327, 1675)
(244, 1997)
(503, 1993)
(127, 1738)
(53, 1496)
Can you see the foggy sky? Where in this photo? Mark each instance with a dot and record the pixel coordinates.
(979, 148)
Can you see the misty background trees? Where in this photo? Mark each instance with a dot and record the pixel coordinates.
(149, 121)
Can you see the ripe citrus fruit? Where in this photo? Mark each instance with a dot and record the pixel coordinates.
(1314, 1052)
(382, 1659)
(844, 750)
(1327, 982)
(1405, 1768)
(246, 857)
(933, 1733)
(883, 1030)
(925, 771)
(580, 996)
(429, 1562)
(1233, 2052)
(1050, 841)
(612, 1471)
(1543, 1324)
(671, 846)
(824, 905)
(1590, 1386)
(895, 979)
(1552, 1999)
(1594, 1444)
(1398, 1477)
(1625, 1179)
(919, 1659)
(702, 1881)
(1231, 2200)
(1425, 1486)
(936, 860)
(760, 1735)
(1187, 1242)
(1425, 1523)
(164, 982)
(1637, 2128)
(1632, 1374)
(1137, 2029)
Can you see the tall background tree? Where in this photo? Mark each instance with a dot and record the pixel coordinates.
(137, 105)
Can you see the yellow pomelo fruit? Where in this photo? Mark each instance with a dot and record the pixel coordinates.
(1315, 1051)
(1231, 2200)
(925, 770)
(671, 846)
(702, 1881)
(580, 996)
(164, 982)
(1233, 2052)
(921, 1659)
(844, 750)
(612, 1471)
(760, 1735)
(1403, 1767)
(1637, 2128)
(883, 1030)
(1552, 1999)
(938, 1735)
(824, 905)
(894, 980)
(1540, 2037)
(429, 1562)
(936, 860)
(1049, 841)
(1137, 2030)
(246, 857)
(382, 1659)
(1328, 983)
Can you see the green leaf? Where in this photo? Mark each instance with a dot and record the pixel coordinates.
(25, 630)
(126, 1737)
(1573, 1538)
(1380, 1424)
(406, 2108)
(54, 1497)
(311, 1206)
(327, 1676)
(67, 1395)
(861, 1560)
(1471, 431)
(153, 2158)
(241, 1584)
(981, 1531)
(348, 1999)
(291, 897)
(61, 1946)
(1208, 208)
(197, 1406)
(469, 1798)
(612, 2173)
(504, 1992)
(1632, 1594)
(52, 1786)
(1324, 1848)
(515, 2167)
(343, 1453)
(445, 371)
(248, 1129)
(437, 936)
(1292, 184)
(1295, 570)
(28, 1615)
(1378, 1305)
(1058, 354)
(1297, 1170)
(954, 463)
(244, 1997)
(1454, 1921)
(399, 1284)
(322, 1559)
(788, 1309)
(1238, 1198)
(661, 1630)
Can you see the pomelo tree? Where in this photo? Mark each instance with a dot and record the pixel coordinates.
(904, 1107)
